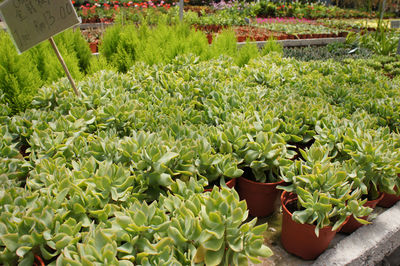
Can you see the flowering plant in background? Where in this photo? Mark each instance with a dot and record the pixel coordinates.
(285, 20)
(106, 10)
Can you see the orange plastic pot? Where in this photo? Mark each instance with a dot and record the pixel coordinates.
(230, 184)
(260, 197)
(300, 239)
(352, 225)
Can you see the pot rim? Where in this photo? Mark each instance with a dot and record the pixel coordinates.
(259, 183)
(377, 200)
(284, 209)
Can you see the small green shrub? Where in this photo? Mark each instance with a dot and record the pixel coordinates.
(19, 77)
(125, 54)
(155, 45)
(271, 46)
(224, 44)
(48, 65)
(110, 40)
(246, 53)
(74, 42)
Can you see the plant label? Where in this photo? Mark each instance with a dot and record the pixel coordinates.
(31, 22)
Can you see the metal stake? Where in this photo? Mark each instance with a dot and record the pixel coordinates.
(181, 10)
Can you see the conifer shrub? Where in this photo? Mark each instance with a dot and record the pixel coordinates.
(22, 74)
(271, 46)
(246, 53)
(19, 76)
(74, 42)
(224, 44)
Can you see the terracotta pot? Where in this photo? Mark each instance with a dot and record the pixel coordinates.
(230, 184)
(93, 47)
(352, 225)
(241, 38)
(300, 239)
(260, 197)
(209, 38)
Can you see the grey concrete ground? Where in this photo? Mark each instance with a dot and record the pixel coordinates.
(301, 42)
(376, 244)
(391, 260)
(369, 245)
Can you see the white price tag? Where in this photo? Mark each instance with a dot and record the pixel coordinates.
(33, 21)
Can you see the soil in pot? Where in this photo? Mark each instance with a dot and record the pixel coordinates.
(261, 198)
(230, 184)
(352, 225)
(300, 239)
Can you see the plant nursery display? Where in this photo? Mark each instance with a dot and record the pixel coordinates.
(180, 140)
(118, 174)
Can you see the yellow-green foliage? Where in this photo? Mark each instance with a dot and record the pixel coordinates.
(19, 77)
(246, 53)
(224, 44)
(122, 46)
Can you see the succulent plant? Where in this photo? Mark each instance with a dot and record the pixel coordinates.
(326, 195)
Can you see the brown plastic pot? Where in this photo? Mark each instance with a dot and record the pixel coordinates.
(300, 239)
(38, 261)
(260, 197)
(352, 225)
(388, 200)
(230, 184)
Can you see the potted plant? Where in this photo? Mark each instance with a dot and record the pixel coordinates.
(263, 157)
(389, 198)
(210, 228)
(373, 152)
(316, 202)
(217, 168)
